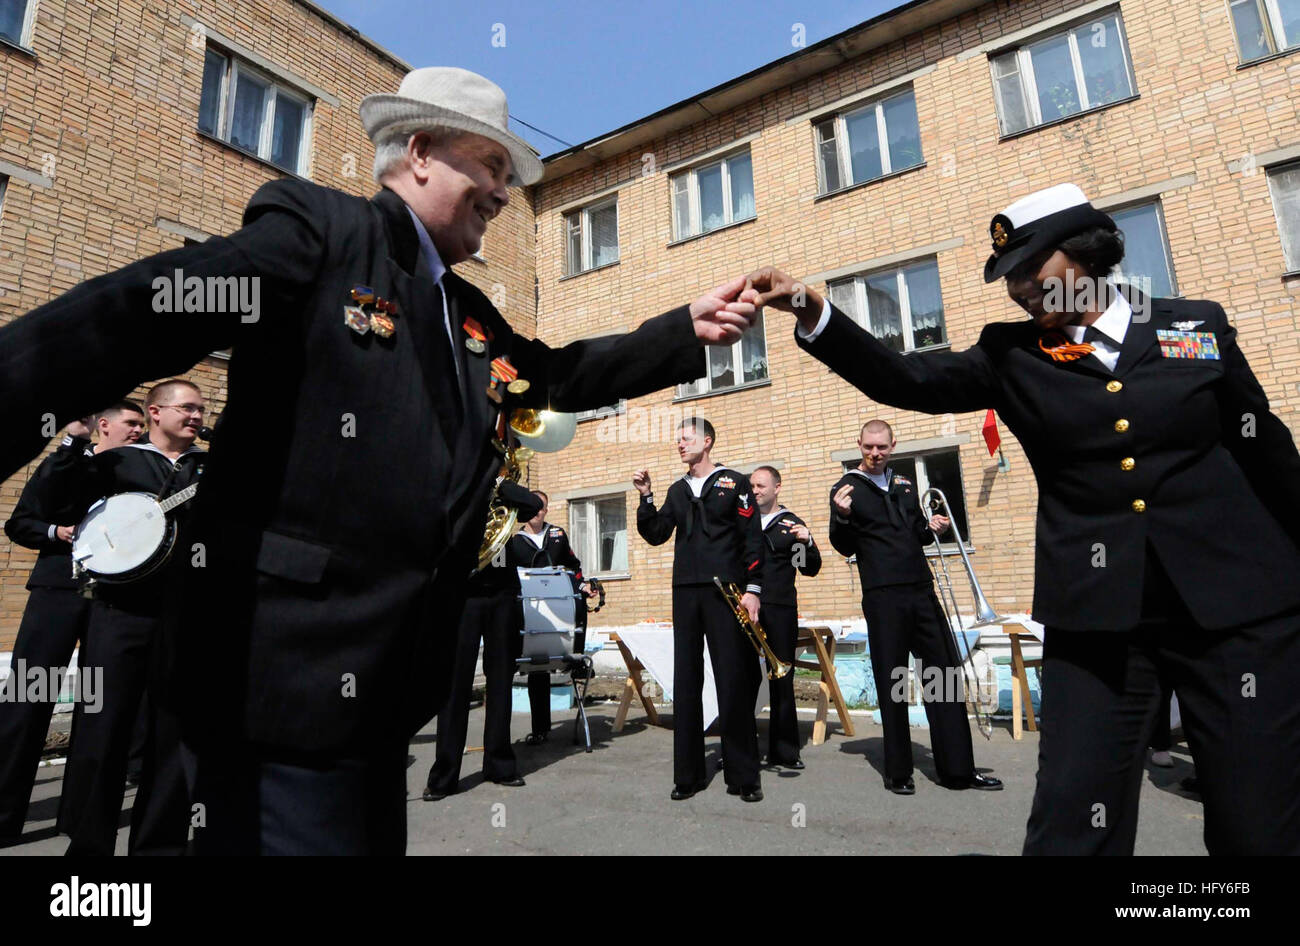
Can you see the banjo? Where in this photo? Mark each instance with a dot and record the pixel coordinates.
(127, 536)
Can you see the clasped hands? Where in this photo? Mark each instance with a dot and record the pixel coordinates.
(722, 314)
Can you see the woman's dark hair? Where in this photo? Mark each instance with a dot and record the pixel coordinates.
(1097, 249)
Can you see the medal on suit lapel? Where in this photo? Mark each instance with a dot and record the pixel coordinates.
(504, 372)
(477, 336)
(372, 313)
(354, 317)
(1060, 349)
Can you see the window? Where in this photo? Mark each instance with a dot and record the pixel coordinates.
(15, 20)
(1284, 183)
(598, 529)
(592, 236)
(901, 307)
(254, 113)
(605, 411)
(1063, 74)
(1147, 262)
(713, 195)
(745, 362)
(1265, 27)
(940, 469)
(869, 142)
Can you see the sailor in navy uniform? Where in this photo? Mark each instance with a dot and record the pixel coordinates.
(876, 516)
(56, 615)
(789, 548)
(713, 512)
(1168, 524)
(126, 641)
(537, 545)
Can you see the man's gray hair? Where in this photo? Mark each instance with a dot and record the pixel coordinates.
(390, 147)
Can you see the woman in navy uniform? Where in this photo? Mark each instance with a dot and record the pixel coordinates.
(1168, 522)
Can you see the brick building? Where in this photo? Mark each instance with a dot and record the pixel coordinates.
(132, 127)
(868, 164)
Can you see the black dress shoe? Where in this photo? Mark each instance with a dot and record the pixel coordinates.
(746, 792)
(515, 782)
(981, 783)
(903, 786)
(534, 739)
(683, 792)
(431, 795)
(797, 765)
(768, 762)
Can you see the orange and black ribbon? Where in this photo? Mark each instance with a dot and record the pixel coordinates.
(1062, 349)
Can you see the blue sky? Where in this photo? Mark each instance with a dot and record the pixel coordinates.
(579, 69)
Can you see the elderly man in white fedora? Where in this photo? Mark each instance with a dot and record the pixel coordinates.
(343, 503)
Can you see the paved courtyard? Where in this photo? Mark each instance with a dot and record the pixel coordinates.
(615, 801)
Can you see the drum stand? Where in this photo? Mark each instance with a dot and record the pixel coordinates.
(580, 669)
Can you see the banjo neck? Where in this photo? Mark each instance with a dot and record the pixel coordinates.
(176, 499)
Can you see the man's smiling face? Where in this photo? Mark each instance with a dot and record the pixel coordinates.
(466, 188)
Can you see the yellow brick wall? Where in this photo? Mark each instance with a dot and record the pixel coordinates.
(109, 110)
(1196, 112)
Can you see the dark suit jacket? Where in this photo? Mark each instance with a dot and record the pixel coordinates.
(889, 549)
(1207, 451)
(29, 526)
(345, 491)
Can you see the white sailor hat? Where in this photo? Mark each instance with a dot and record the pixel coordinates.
(1037, 223)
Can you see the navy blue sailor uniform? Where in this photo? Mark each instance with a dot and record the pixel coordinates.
(53, 622)
(554, 550)
(1171, 465)
(784, 555)
(719, 533)
(126, 641)
(887, 531)
(493, 615)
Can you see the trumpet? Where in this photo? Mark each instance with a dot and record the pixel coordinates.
(984, 613)
(776, 667)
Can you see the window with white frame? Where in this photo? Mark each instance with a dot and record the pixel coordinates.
(1265, 27)
(940, 469)
(1147, 263)
(868, 142)
(591, 235)
(903, 307)
(1062, 74)
(598, 532)
(253, 112)
(1284, 184)
(605, 411)
(730, 366)
(16, 20)
(713, 195)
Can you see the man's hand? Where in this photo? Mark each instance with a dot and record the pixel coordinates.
(770, 286)
(641, 480)
(64, 533)
(939, 524)
(800, 532)
(80, 428)
(720, 316)
(842, 499)
(749, 601)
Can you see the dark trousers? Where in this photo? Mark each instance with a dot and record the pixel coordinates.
(496, 619)
(273, 803)
(53, 622)
(903, 619)
(701, 613)
(781, 622)
(1237, 694)
(121, 644)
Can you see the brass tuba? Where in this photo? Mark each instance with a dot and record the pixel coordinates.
(776, 668)
(538, 431)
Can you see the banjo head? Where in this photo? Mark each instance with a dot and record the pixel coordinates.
(120, 534)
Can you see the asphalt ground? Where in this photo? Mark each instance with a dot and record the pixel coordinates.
(614, 800)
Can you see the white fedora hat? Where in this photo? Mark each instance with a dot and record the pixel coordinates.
(447, 97)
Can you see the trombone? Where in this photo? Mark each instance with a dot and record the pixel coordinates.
(984, 613)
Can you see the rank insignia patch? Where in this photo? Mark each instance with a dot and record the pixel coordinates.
(1200, 345)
